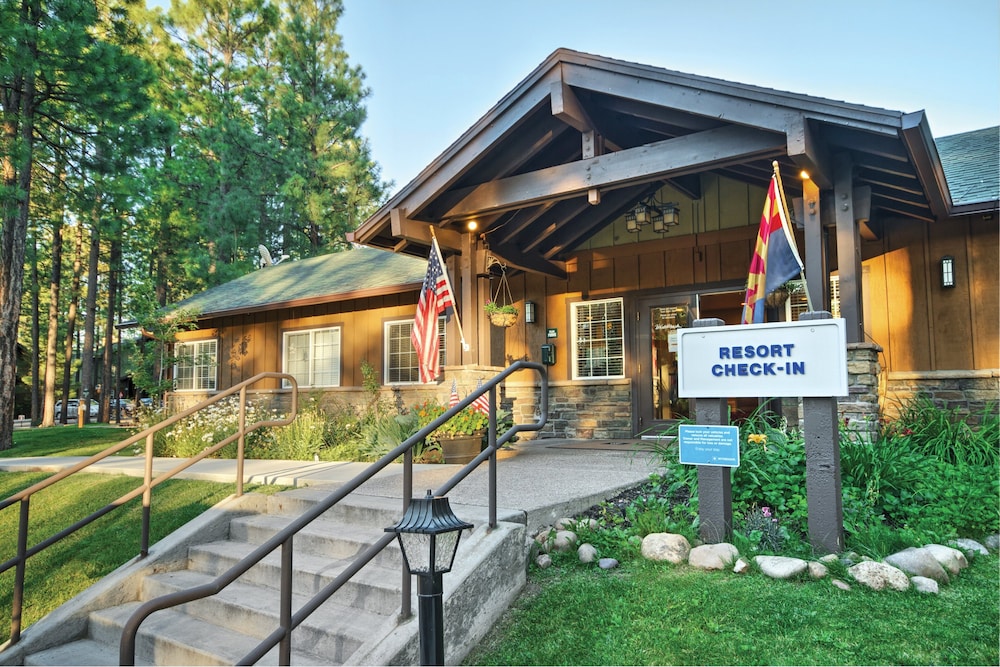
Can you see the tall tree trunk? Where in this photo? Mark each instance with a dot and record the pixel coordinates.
(52, 341)
(74, 297)
(108, 381)
(34, 331)
(90, 320)
(17, 137)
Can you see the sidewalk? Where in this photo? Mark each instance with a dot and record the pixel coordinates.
(544, 478)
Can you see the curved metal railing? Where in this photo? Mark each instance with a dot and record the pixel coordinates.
(289, 620)
(145, 489)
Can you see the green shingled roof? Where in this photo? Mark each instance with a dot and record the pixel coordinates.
(971, 163)
(333, 277)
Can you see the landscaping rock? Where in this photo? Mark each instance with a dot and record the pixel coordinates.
(565, 523)
(818, 570)
(992, 542)
(607, 563)
(951, 559)
(713, 556)
(781, 567)
(920, 562)
(587, 553)
(924, 585)
(970, 547)
(879, 576)
(666, 546)
(563, 541)
(543, 561)
(741, 566)
(842, 585)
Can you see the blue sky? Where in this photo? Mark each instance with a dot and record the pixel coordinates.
(435, 67)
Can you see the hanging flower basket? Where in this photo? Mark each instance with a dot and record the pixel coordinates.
(501, 310)
(501, 319)
(776, 298)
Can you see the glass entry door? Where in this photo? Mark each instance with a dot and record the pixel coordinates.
(657, 345)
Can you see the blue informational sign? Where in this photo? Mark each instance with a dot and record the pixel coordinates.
(709, 445)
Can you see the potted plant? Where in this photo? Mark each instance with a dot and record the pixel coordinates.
(501, 315)
(461, 437)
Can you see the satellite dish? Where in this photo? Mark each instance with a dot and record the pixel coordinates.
(265, 256)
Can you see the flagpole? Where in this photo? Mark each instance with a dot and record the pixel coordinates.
(451, 290)
(791, 233)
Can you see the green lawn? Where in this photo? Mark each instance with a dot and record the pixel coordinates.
(656, 614)
(69, 440)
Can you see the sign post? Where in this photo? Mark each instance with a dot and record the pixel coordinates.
(807, 359)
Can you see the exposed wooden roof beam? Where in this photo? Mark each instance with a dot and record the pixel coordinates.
(695, 152)
(566, 107)
(515, 258)
(570, 234)
(420, 232)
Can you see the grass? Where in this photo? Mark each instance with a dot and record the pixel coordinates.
(65, 440)
(654, 614)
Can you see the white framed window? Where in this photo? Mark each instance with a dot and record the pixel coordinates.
(598, 339)
(312, 356)
(798, 303)
(197, 365)
(401, 356)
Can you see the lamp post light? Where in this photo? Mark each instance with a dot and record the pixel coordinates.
(428, 537)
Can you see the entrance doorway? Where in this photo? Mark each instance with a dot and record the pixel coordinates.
(657, 401)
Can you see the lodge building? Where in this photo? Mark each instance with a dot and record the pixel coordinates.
(612, 203)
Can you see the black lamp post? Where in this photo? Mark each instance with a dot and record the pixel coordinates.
(428, 537)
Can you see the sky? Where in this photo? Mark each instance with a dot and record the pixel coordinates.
(435, 67)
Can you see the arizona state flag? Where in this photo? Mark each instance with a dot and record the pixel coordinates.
(775, 259)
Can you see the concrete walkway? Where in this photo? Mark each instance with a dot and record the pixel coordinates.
(544, 478)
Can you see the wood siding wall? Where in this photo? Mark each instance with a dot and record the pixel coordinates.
(920, 325)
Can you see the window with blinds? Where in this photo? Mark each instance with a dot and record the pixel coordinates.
(401, 356)
(598, 339)
(313, 357)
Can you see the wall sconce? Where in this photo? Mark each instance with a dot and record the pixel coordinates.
(947, 271)
(529, 312)
(663, 215)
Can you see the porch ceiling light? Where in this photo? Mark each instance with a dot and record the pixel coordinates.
(662, 215)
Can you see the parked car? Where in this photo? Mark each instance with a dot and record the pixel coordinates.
(73, 409)
(127, 407)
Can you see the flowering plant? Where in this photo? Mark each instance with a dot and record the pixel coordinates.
(466, 422)
(763, 531)
(493, 307)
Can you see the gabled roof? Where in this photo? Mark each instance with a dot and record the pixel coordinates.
(537, 189)
(351, 274)
(971, 162)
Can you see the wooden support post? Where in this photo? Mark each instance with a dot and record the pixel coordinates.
(715, 484)
(823, 489)
(848, 249)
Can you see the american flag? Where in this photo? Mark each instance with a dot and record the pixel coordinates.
(453, 399)
(435, 299)
(482, 403)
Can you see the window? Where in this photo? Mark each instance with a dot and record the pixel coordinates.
(196, 366)
(598, 339)
(400, 355)
(799, 302)
(313, 357)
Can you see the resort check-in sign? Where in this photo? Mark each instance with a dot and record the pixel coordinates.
(805, 358)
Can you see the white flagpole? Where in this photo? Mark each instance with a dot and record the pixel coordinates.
(451, 290)
(789, 234)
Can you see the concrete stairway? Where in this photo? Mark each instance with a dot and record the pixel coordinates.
(358, 625)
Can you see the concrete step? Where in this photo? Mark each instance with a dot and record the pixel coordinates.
(333, 630)
(82, 652)
(374, 588)
(323, 537)
(362, 510)
(170, 637)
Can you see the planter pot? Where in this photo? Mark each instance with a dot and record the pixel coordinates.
(461, 448)
(503, 319)
(776, 298)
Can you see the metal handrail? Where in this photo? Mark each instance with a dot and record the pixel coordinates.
(145, 489)
(288, 621)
